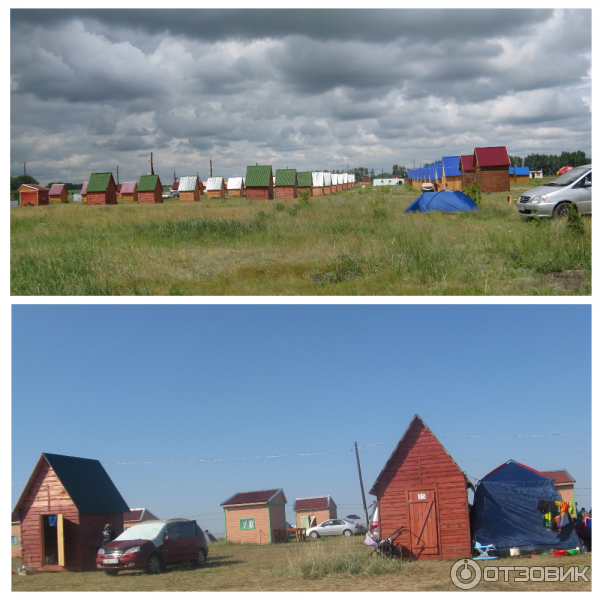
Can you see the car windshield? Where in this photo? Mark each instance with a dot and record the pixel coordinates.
(144, 531)
(570, 176)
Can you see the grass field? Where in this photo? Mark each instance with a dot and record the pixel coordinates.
(333, 564)
(356, 242)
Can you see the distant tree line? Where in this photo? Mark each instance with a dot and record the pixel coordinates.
(17, 182)
(551, 163)
(69, 186)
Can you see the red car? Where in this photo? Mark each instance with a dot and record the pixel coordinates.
(153, 546)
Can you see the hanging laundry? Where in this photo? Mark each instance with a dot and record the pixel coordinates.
(52, 520)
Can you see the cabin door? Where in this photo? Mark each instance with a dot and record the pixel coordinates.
(304, 521)
(53, 540)
(423, 522)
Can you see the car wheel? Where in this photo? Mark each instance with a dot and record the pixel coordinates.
(347, 532)
(562, 210)
(111, 571)
(201, 561)
(314, 535)
(154, 565)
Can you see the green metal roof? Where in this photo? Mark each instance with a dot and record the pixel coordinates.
(285, 177)
(304, 179)
(258, 176)
(148, 183)
(98, 182)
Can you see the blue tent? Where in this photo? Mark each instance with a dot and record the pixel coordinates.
(505, 511)
(445, 201)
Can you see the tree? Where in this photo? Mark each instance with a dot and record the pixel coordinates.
(516, 161)
(17, 182)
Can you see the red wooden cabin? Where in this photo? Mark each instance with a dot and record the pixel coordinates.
(101, 189)
(259, 182)
(63, 510)
(467, 170)
(491, 169)
(33, 195)
(58, 193)
(149, 189)
(423, 489)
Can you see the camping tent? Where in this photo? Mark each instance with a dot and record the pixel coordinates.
(445, 201)
(505, 511)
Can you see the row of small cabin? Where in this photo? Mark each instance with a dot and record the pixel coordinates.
(67, 501)
(489, 167)
(259, 184)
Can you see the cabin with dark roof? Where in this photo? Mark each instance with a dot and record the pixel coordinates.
(58, 193)
(149, 189)
(424, 490)
(259, 182)
(287, 183)
(63, 509)
(491, 169)
(136, 516)
(101, 189)
(251, 517)
(33, 195)
(311, 512)
(305, 183)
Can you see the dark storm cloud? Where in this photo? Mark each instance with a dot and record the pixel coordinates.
(311, 89)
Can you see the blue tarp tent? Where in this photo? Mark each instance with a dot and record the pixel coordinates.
(445, 201)
(505, 511)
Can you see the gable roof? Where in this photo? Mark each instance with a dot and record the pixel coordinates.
(85, 480)
(314, 503)
(518, 170)
(56, 189)
(512, 470)
(129, 187)
(258, 176)
(99, 182)
(176, 185)
(327, 179)
(467, 162)
(560, 477)
(318, 179)
(305, 179)
(286, 176)
(84, 188)
(214, 184)
(494, 156)
(139, 514)
(119, 187)
(235, 183)
(260, 497)
(187, 183)
(148, 183)
(415, 419)
(32, 185)
(451, 165)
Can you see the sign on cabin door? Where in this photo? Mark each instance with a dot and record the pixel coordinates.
(423, 522)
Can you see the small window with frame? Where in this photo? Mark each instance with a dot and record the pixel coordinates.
(14, 540)
(247, 523)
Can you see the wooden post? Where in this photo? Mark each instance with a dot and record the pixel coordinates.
(509, 199)
(362, 489)
(24, 173)
(117, 175)
(151, 163)
(211, 167)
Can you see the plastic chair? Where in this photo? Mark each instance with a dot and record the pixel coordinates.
(483, 551)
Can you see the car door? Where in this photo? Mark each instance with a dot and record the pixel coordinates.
(338, 527)
(325, 528)
(585, 194)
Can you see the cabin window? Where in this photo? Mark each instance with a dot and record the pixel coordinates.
(13, 540)
(247, 523)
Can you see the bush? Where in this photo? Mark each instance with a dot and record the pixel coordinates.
(574, 221)
(304, 197)
(474, 192)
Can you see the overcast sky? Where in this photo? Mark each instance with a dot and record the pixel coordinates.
(311, 90)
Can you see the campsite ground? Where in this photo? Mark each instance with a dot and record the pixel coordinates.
(356, 242)
(323, 565)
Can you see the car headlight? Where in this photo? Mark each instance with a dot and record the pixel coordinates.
(538, 199)
(101, 551)
(132, 550)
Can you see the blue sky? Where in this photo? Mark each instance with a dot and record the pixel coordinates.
(176, 383)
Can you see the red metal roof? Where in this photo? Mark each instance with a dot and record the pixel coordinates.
(251, 497)
(492, 157)
(56, 189)
(134, 515)
(84, 188)
(128, 187)
(466, 162)
(366, 179)
(559, 477)
(175, 186)
(312, 503)
(119, 188)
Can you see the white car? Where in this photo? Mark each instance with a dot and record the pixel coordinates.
(334, 527)
(428, 187)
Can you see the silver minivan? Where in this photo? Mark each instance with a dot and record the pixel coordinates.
(554, 199)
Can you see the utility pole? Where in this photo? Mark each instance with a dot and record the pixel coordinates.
(117, 175)
(151, 161)
(24, 172)
(362, 488)
(174, 177)
(211, 167)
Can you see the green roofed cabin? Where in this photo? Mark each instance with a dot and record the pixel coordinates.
(287, 183)
(149, 189)
(101, 189)
(63, 509)
(259, 182)
(305, 182)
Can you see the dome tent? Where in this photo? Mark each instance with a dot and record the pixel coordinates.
(505, 511)
(445, 201)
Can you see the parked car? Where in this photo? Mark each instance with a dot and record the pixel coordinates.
(554, 199)
(153, 546)
(427, 187)
(334, 527)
